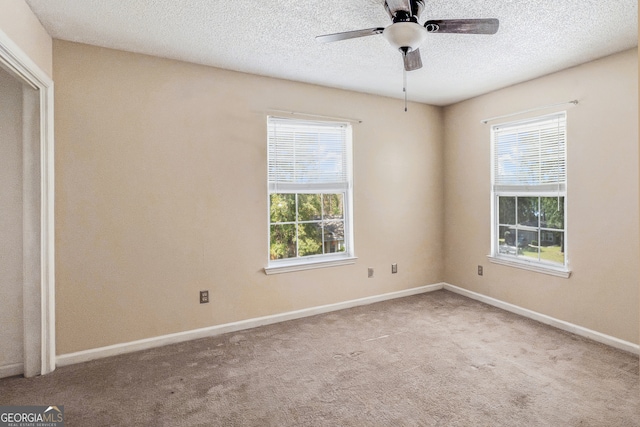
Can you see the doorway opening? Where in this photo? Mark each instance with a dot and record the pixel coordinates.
(28, 274)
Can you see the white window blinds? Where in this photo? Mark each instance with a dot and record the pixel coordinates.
(307, 156)
(530, 155)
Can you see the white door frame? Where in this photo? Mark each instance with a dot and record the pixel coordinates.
(39, 292)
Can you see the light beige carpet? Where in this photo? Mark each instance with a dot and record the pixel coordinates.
(436, 359)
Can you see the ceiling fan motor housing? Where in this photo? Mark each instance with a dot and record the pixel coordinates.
(398, 11)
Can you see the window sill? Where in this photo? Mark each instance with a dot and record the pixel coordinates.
(538, 268)
(287, 267)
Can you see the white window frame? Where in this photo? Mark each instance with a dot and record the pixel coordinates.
(542, 187)
(345, 187)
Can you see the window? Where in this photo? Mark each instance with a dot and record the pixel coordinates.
(529, 193)
(309, 177)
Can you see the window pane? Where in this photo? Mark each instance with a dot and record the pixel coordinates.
(552, 246)
(507, 240)
(552, 212)
(310, 239)
(528, 211)
(529, 247)
(332, 207)
(334, 236)
(507, 214)
(526, 238)
(309, 207)
(283, 207)
(283, 241)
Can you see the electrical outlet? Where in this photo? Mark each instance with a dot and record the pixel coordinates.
(204, 297)
(480, 270)
(394, 268)
(370, 272)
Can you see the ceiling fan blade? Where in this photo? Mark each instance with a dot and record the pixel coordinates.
(463, 26)
(327, 38)
(412, 60)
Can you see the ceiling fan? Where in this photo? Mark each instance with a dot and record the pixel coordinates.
(406, 34)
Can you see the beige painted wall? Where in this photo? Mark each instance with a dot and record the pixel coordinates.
(24, 29)
(161, 192)
(11, 324)
(602, 167)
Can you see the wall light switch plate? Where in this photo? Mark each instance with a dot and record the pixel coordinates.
(370, 272)
(394, 268)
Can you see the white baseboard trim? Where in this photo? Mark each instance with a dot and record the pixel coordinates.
(144, 344)
(548, 320)
(11, 370)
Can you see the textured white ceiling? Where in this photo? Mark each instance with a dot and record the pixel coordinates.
(276, 38)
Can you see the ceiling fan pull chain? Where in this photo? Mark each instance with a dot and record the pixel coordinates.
(404, 87)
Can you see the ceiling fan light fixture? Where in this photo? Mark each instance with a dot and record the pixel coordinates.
(405, 35)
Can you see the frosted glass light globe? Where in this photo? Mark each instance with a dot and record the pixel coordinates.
(405, 34)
